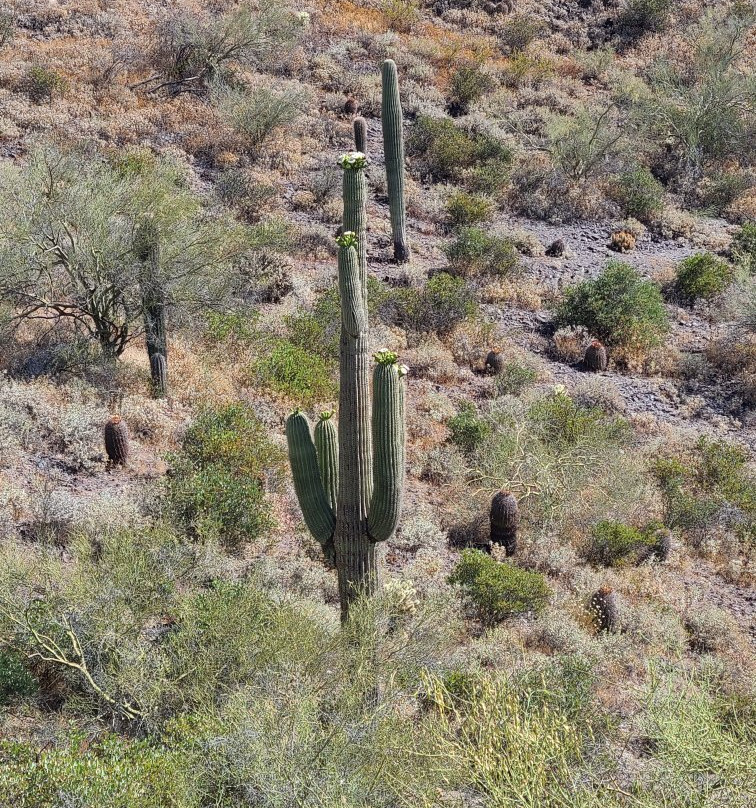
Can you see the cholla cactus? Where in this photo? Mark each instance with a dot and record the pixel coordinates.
(350, 495)
(622, 241)
(393, 148)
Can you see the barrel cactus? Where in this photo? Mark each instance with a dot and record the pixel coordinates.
(505, 519)
(360, 135)
(117, 441)
(603, 609)
(495, 362)
(349, 478)
(596, 358)
(393, 148)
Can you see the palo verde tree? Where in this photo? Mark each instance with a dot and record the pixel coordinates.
(349, 481)
(72, 246)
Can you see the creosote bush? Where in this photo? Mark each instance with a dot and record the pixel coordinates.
(444, 302)
(619, 307)
(638, 192)
(475, 252)
(702, 276)
(466, 429)
(499, 590)
(464, 209)
(614, 543)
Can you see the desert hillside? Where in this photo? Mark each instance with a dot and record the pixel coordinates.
(377, 387)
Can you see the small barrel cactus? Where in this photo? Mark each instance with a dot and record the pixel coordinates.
(159, 373)
(360, 135)
(494, 362)
(117, 441)
(505, 519)
(622, 241)
(596, 358)
(603, 609)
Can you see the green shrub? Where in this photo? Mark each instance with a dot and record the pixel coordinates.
(519, 31)
(744, 246)
(296, 373)
(639, 193)
(499, 590)
(445, 151)
(443, 303)
(641, 16)
(42, 83)
(613, 543)
(463, 209)
(619, 307)
(475, 252)
(217, 484)
(15, 680)
(514, 378)
(466, 429)
(468, 84)
(702, 276)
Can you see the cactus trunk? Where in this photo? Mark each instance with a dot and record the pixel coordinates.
(360, 135)
(393, 148)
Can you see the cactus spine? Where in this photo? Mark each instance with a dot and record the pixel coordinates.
(360, 135)
(393, 148)
(351, 500)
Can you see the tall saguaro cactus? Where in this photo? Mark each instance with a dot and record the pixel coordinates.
(393, 148)
(350, 498)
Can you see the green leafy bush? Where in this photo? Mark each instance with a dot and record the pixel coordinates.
(639, 193)
(443, 303)
(296, 373)
(619, 307)
(499, 590)
(744, 246)
(15, 680)
(613, 543)
(42, 83)
(463, 209)
(445, 151)
(218, 479)
(702, 276)
(466, 429)
(468, 84)
(514, 378)
(475, 252)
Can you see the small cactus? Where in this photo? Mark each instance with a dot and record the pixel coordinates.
(495, 362)
(159, 373)
(596, 358)
(622, 241)
(663, 546)
(603, 609)
(117, 441)
(360, 135)
(350, 107)
(505, 519)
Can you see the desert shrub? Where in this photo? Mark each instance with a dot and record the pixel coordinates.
(466, 429)
(401, 15)
(514, 378)
(446, 151)
(614, 543)
(702, 276)
(638, 192)
(744, 246)
(464, 210)
(498, 590)
(295, 372)
(7, 27)
(712, 484)
(15, 679)
(43, 84)
(252, 198)
(443, 303)
(219, 476)
(585, 145)
(519, 31)
(475, 252)
(468, 84)
(256, 115)
(641, 16)
(619, 307)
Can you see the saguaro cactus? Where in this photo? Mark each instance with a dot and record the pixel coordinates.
(153, 305)
(351, 499)
(360, 135)
(393, 149)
